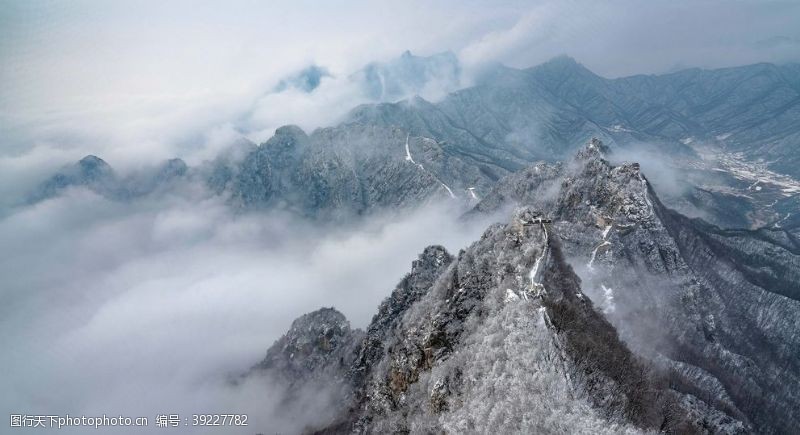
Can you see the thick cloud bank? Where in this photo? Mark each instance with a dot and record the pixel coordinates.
(147, 307)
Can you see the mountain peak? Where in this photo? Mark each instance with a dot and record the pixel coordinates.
(305, 80)
(287, 141)
(321, 320)
(91, 161)
(408, 74)
(290, 131)
(432, 257)
(93, 168)
(563, 60)
(171, 168)
(309, 343)
(594, 148)
(560, 65)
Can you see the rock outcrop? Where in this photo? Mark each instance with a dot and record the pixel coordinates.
(594, 309)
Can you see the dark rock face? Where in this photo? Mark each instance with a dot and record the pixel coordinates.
(318, 345)
(307, 368)
(424, 271)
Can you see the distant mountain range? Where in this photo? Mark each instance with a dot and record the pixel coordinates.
(724, 131)
(729, 137)
(617, 314)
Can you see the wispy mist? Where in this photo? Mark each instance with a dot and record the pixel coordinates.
(147, 307)
(144, 82)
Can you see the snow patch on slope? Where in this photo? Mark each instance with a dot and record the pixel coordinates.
(410, 158)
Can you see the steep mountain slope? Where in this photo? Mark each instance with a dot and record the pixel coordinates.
(752, 108)
(502, 340)
(507, 337)
(719, 308)
(738, 122)
(350, 170)
(308, 368)
(561, 103)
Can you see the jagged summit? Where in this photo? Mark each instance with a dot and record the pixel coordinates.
(652, 271)
(430, 362)
(169, 170)
(594, 148)
(596, 143)
(290, 131)
(617, 314)
(92, 161)
(285, 147)
(432, 256)
(312, 345)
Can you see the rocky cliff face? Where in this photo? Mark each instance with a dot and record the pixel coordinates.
(618, 316)
(499, 343)
(706, 304)
(308, 368)
(350, 170)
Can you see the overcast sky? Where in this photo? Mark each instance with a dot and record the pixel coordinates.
(141, 81)
(127, 307)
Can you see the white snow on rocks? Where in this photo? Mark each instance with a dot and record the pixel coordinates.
(604, 242)
(724, 136)
(410, 158)
(408, 152)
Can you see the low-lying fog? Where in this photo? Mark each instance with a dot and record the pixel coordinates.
(147, 307)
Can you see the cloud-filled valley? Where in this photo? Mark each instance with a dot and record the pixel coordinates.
(150, 306)
(181, 182)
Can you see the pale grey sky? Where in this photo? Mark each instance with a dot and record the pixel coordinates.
(145, 307)
(141, 81)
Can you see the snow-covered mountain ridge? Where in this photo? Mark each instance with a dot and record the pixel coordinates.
(517, 333)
